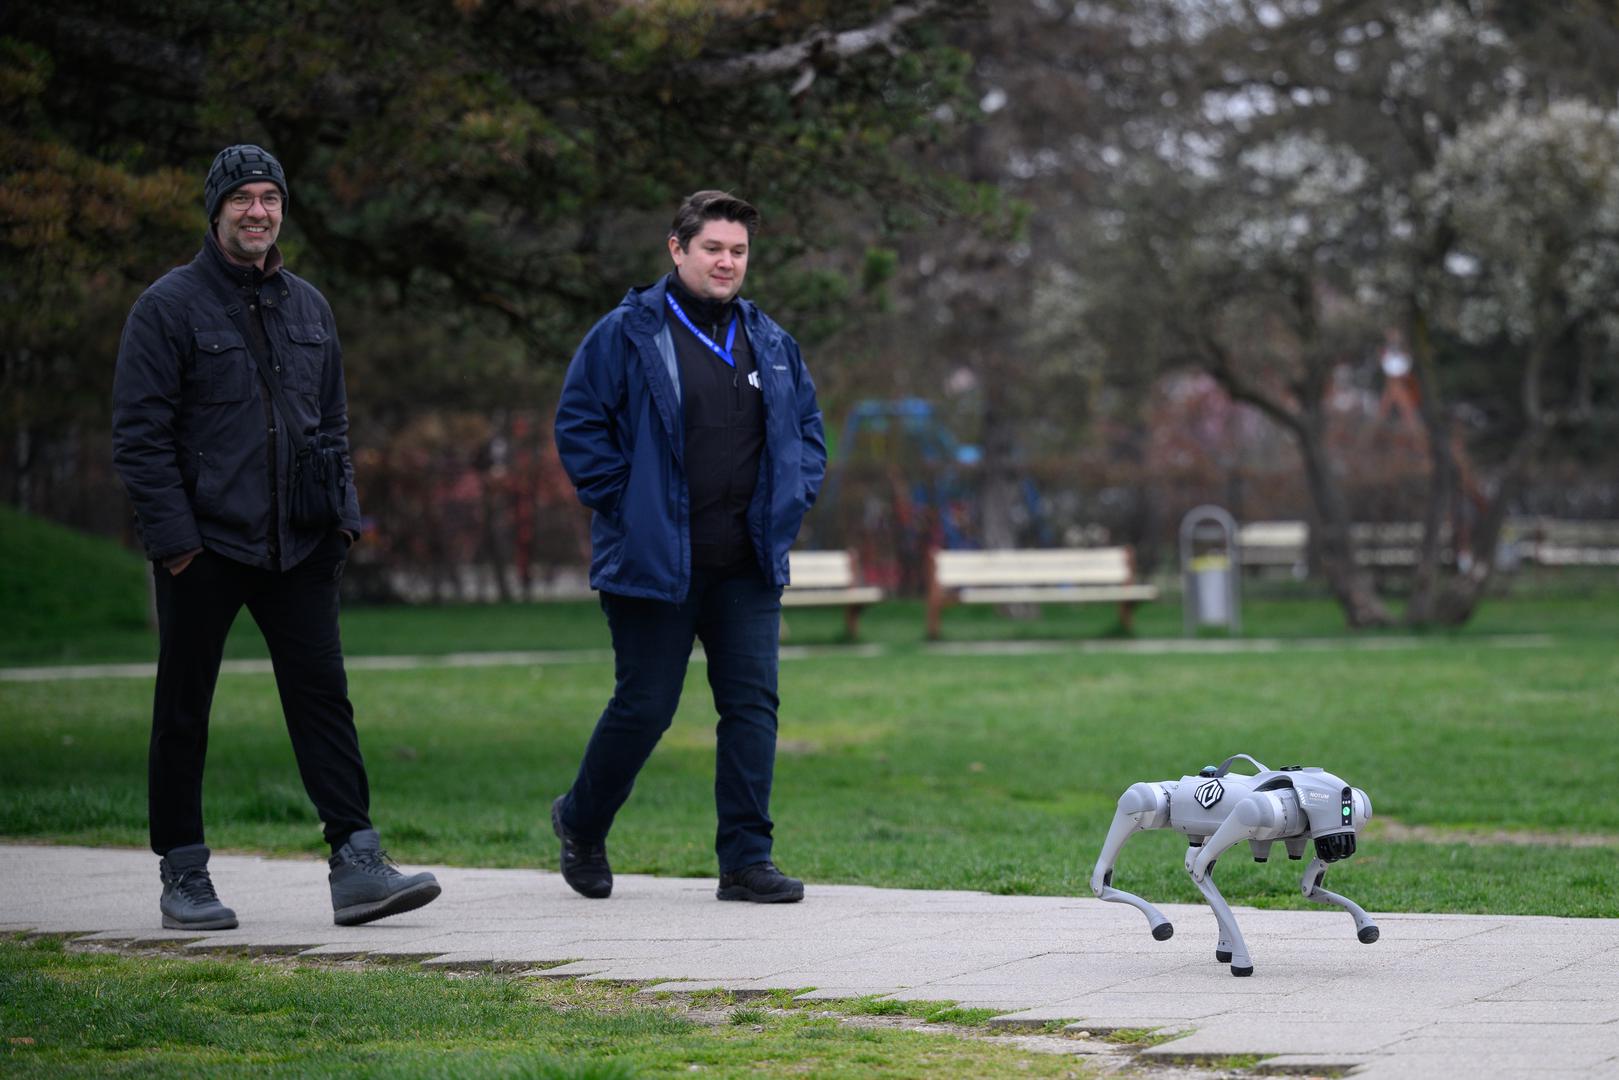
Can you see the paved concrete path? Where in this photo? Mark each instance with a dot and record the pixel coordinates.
(1437, 996)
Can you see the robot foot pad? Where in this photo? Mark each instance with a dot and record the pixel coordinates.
(1241, 973)
(1165, 931)
(1368, 934)
(1222, 956)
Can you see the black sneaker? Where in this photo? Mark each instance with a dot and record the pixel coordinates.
(189, 901)
(584, 862)
(760, 883)
(367, 886)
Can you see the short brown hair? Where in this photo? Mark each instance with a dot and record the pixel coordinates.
(705, 206)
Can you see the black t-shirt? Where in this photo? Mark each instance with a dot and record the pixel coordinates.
(725, 429)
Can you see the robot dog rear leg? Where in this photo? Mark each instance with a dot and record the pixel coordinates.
(1232, 949)
(1143, 806)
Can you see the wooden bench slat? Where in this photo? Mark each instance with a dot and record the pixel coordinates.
(1104, 566)
(1114, 556)
(819, 579)
(1013, 575)
(824, 569)
(1058, 594)
(793, 596)
(1273, 534)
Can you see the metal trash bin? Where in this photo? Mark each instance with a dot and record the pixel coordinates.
(1209, 570)
(1211, 578)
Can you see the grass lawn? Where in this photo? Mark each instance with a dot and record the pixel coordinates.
(68, 1015)
(913, 769)
(66, 595)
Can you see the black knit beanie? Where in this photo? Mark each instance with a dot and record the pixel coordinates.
(238, 165)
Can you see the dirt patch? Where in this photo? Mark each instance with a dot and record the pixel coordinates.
(1093, 1054)
(1390, 829)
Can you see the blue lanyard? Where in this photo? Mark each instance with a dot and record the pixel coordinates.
(730, 334)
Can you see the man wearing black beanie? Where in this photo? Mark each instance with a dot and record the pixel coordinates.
(228, 372)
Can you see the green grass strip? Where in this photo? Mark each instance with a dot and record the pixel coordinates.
(67, 1014)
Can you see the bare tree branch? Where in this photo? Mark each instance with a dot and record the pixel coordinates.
(819, 48)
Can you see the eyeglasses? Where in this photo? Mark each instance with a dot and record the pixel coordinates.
(241, 200)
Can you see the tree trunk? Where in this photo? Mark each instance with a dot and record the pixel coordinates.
(1455, 605)
(997, 498)
(1439, 505)
(1353, 587)
(1451, 600)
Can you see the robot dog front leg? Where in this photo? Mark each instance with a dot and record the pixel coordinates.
(1365, 929)
(1143, 806)
(1262, 817)
(1231, 949)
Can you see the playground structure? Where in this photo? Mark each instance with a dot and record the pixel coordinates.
(898, 487)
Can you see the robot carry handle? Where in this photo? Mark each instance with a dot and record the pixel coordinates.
(1225, 766)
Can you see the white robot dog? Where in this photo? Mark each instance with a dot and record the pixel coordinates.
(1217, 809)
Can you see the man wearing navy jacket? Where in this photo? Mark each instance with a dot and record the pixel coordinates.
(688, 423)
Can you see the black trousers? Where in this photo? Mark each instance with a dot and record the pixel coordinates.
(296, 610)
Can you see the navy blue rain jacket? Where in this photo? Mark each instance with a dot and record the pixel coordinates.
(190, 438)
(620, 433)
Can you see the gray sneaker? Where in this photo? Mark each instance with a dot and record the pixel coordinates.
(189, 901)
(367, 886)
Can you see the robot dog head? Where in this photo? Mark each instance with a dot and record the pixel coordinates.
(1335, 812)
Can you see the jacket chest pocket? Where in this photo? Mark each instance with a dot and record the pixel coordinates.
(221, 369)
(306, 357)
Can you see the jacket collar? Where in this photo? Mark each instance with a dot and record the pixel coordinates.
(700, 311)
(648, 312)
(241, 276)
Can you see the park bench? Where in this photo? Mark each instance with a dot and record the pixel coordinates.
(827, 579)
(1394, 545)
(1384, 546)
(1044, 576)
(1267, 545)
(1552, 542)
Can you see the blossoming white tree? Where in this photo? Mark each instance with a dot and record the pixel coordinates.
(1285, 181)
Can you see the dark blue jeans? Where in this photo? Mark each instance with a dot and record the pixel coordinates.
(738, 620)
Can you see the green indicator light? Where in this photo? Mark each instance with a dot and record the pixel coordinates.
(1346, 811)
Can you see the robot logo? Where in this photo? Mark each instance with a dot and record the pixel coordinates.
(1208, 794)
